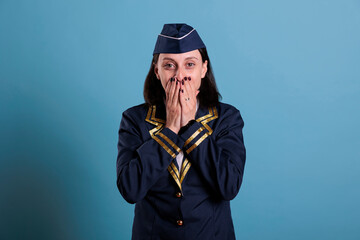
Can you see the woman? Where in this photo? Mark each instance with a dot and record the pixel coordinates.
(181, 154)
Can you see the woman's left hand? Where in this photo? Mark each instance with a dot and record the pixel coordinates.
(187, 101)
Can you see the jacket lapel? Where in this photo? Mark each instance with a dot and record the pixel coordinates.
(156, 116)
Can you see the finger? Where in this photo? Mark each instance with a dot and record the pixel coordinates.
(190, 95)
(177, 92)
(184, 100)
(172, 91)
(168, 90)
(186, 90)
(188, 79)
(192, 89)
(181, 95)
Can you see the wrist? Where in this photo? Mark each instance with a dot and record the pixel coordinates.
(173, 128)
(184, 128)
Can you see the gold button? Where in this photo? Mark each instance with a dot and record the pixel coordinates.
(179, 222)
(178, 194)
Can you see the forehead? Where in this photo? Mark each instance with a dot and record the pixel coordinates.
(180, 56)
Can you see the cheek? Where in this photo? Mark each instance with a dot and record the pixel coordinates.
(164, 80)
(198, 84)
(163, 83)
(197, 80)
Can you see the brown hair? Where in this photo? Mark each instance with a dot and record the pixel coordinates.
(208, 96)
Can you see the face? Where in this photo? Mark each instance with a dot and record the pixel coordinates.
(180, 65)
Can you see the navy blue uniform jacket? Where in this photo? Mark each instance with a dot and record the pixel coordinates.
(181, 202)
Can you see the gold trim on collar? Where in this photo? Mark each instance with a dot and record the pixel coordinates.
(179, 177)
(184, 169)
(193, 136)
(197, 143)
(172, 168)
(213, 114)
(169, 141)
(156, 131)
(151, 118)
(159, 123)
(154, 118)
(206, 116)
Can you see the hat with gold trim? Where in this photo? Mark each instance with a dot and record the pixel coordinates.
(178, 38)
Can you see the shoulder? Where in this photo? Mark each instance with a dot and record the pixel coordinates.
(135, 113)
(226, 109)
(137, 110)
(229, 117)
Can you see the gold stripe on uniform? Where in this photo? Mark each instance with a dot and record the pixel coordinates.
(173, 170)
(174, 176)
(204, 120)
(173, 155)
(169, 141)
(184, 164)
(153, 115)
(208, 120)
(204, 117)
(185, 169)
(158, 127)
(193, 136)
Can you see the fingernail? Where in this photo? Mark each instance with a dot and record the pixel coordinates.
(182, 90)
(185, 78)
(189, 78)
(182, 82)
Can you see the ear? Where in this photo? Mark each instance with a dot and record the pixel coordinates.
(204, 69)
(156, 71)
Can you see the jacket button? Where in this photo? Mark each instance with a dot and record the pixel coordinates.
(178, 194)
(179, 222)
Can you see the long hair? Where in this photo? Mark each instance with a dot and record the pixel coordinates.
(208, 96)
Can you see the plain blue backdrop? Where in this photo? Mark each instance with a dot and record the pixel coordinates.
(68, 69)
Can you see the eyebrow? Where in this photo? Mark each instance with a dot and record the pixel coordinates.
(167, 58)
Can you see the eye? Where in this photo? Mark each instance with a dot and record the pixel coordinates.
(190, 64)
(169, 65)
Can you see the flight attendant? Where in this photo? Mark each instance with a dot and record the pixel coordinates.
(181, 154)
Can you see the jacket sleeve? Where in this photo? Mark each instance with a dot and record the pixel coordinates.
(140, 163)
(220, 159)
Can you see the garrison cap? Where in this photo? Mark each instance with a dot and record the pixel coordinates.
(178, 38)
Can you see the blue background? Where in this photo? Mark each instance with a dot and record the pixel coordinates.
(68, 70)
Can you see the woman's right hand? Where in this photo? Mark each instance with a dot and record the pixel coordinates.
(173, 107)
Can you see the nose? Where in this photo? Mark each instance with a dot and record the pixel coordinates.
(180, 73)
